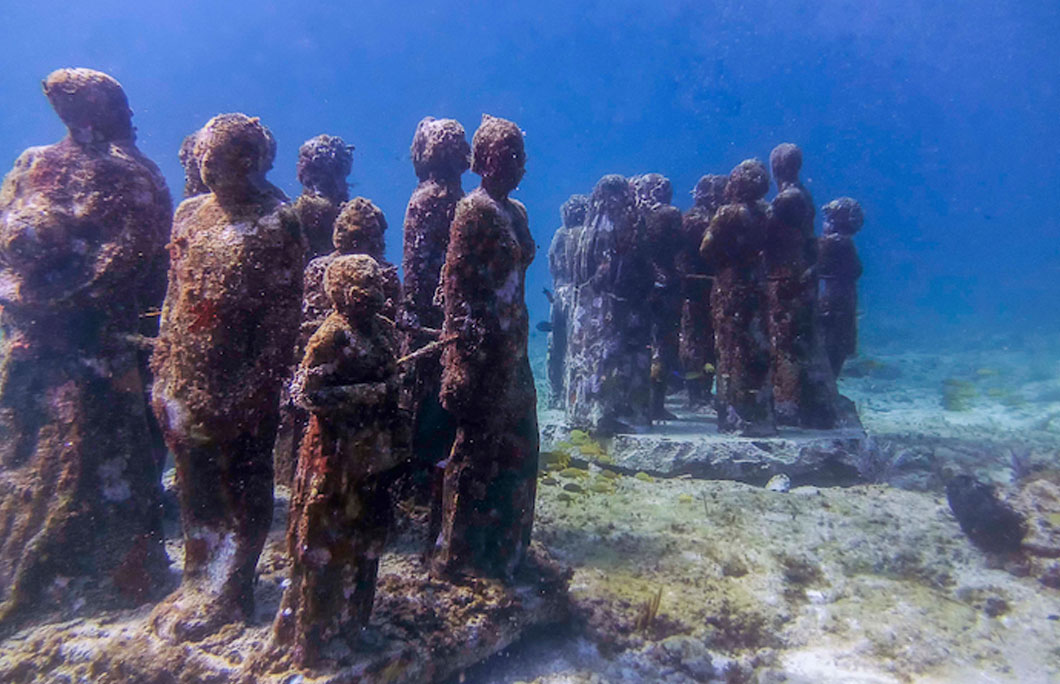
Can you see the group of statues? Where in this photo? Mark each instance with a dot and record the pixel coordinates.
(739, 296)
(266, 342)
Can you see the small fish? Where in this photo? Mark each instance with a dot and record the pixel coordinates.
(548, 295)
(544, 326)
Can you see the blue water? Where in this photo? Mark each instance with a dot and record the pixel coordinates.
(940, 117)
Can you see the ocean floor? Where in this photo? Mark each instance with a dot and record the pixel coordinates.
(679, 579)
(855, 573)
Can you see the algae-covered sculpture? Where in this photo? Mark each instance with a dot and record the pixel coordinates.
(561, 257)
(323, 164)
(662, 229)
(83, 224)
(609, 352)
(490, 477)
(358, 229)
(803, 386)
(339, 505)
(227, 331)
(839, 268)
(440, 155)
(732, 248)
(697, 324)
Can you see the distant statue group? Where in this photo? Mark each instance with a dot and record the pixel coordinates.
(261, 341)
(738, 296)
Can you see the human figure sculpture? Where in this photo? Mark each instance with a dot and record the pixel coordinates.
(340, 509)
(839, 268)
(358, 229)
(227, 331)
(804, 390)
(323, 164)
(732, 248)
(490, 477)
(440, 155)
(83, 225)
(609, 352)
(561, 268)
(697, 324)
(653, 193)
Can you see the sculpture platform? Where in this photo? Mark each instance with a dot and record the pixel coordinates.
(421, 630)
(692, 446)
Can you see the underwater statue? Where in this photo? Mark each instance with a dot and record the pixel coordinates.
(490, 476)
(804, 390)
(83, 228)
(323, 164)
(340, 509)
(839, 268)
(609, 349)
(653, 193)
(227, 332)
(732, 248)
(697, 324)
(358, 229)
(440, 155)
(561, 254)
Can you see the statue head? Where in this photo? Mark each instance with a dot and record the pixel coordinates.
(498, 155)
(323, 164)
(91, 104)
(785, 160)
(574, 210)
(359, 228)
(652, 188)
(354, 283)
(709, 192)
(842, 216)
(235, 151)
(612, 192)
(748, 182)
(439, 148)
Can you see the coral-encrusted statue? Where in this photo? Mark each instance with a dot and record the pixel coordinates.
(440, 155)
(609, 352)
(227, 332)
(697, 323)
(662, 223)
(803, 387)
(490, 477)
(732, 248)
(339, 506)
(839, 268)
(561, 255)
(83, 227)
(358, 229)
(323, 164)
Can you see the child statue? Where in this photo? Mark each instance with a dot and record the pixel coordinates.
(339, 506)
(358, 229)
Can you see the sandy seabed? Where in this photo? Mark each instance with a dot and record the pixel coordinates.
(866, 583)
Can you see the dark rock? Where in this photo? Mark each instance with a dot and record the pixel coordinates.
(991, 524)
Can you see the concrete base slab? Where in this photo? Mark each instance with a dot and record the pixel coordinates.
(692, 446)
